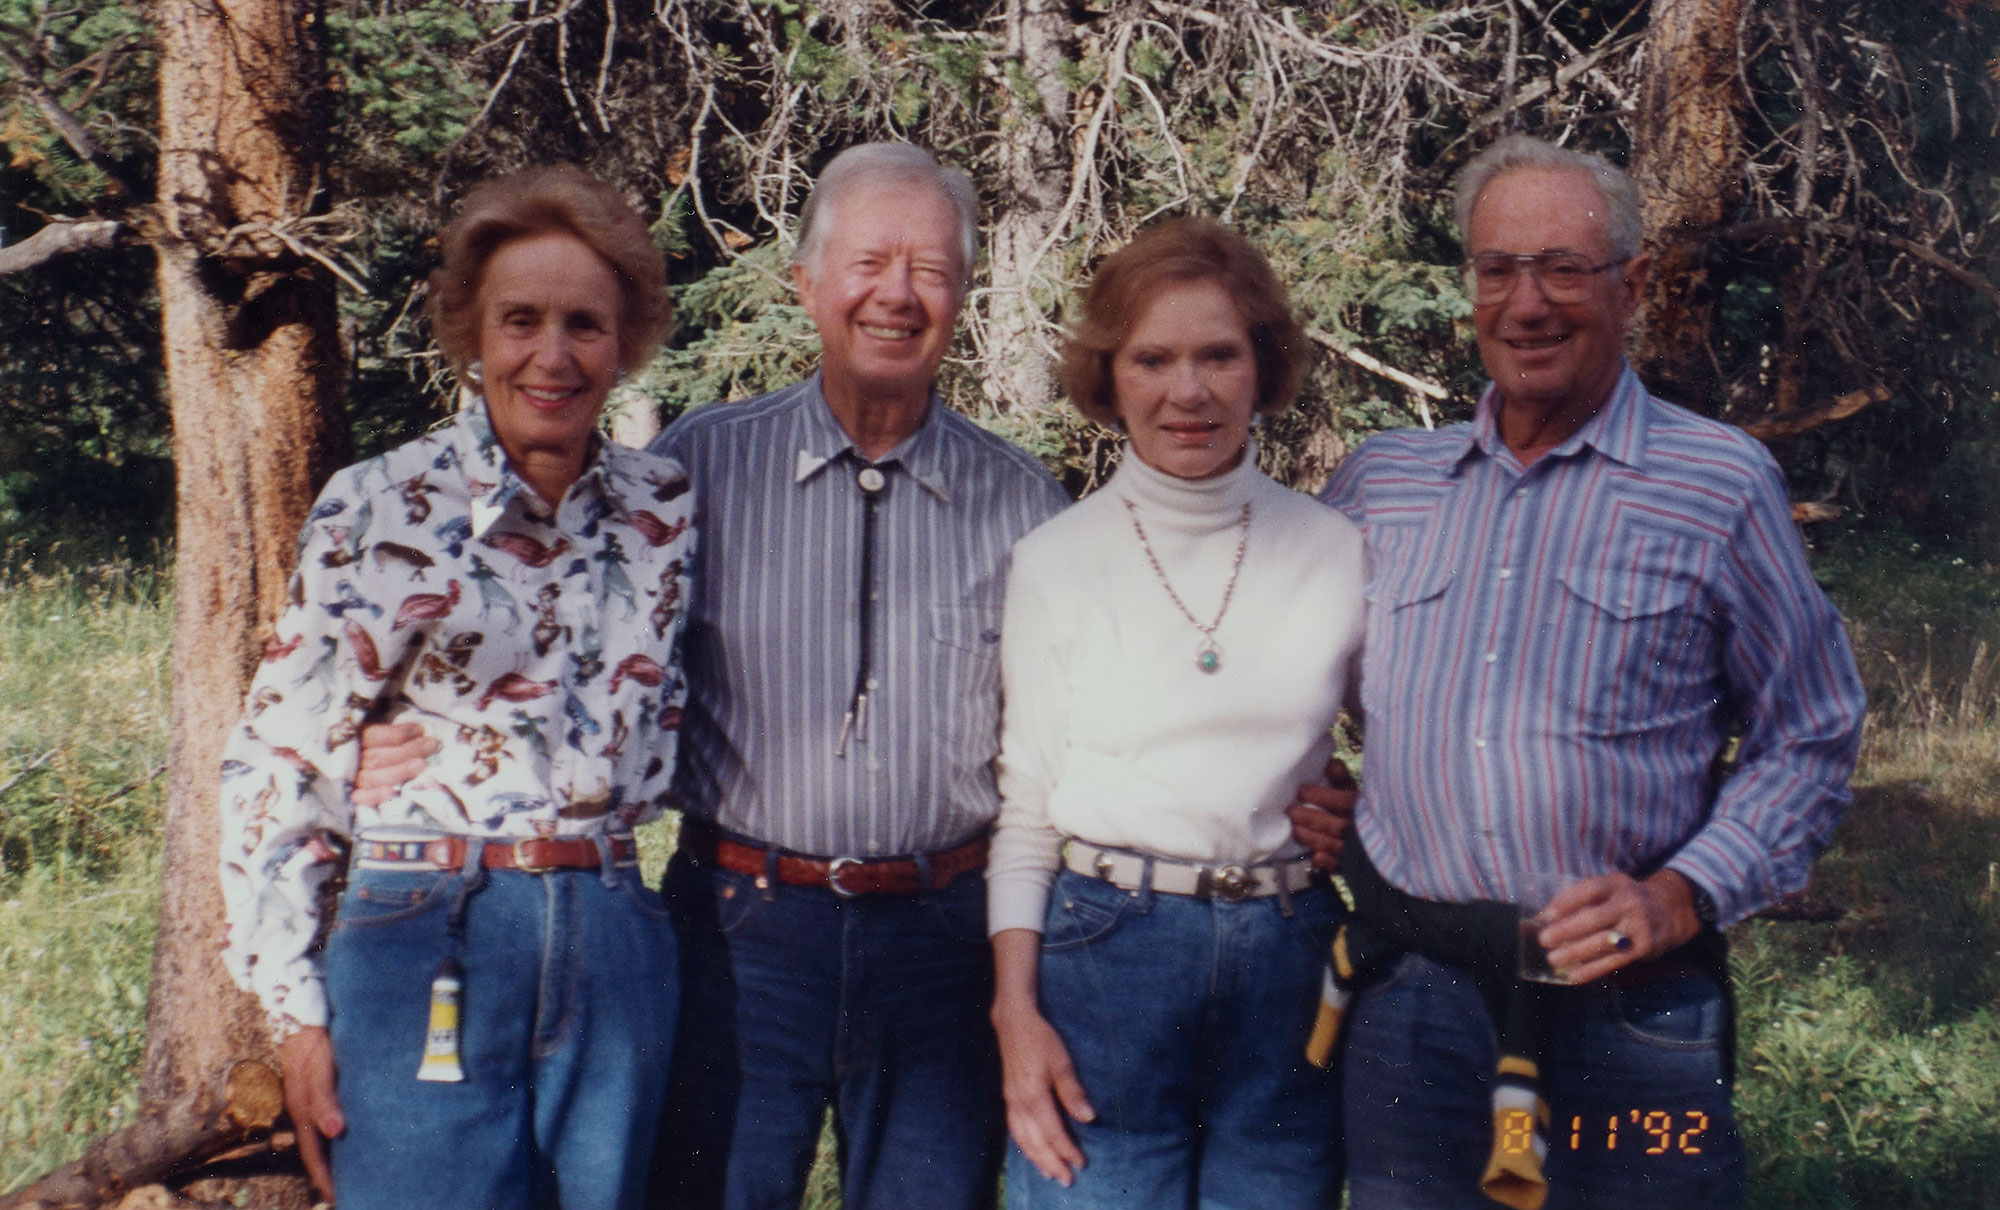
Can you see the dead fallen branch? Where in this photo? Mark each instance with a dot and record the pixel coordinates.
(163, 1139)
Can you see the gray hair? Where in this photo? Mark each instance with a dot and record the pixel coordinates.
(1620, 193)
(887, 164)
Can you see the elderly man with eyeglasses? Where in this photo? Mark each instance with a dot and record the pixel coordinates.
(1580, 600)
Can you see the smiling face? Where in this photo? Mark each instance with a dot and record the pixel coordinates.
(548, 352)
(884, 293)
(1543, 356)
(1184, 382)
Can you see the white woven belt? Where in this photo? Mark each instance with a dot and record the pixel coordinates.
(1229, 883)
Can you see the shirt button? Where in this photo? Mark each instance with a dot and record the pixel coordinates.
(1506, 573)
(1492, 656)
(1479, 743)
(873, 684)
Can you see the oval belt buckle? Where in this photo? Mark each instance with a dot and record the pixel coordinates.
(834, 869)
(1230, 883)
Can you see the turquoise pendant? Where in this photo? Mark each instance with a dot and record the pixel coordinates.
(1209, 658)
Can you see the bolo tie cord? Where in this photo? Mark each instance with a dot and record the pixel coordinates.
(854, 725)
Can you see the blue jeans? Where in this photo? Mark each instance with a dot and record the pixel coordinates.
(1187, 1022)
(567, 1030)
(1634, 1081)
(797, 999)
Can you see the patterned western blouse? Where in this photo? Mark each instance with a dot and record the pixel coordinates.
(540, 649)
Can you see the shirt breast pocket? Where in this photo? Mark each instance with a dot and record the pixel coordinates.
(965, 685)
(1405, 593)
(1644, 653)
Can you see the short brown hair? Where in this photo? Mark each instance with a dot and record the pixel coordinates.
(1178, 251)
(536, 201)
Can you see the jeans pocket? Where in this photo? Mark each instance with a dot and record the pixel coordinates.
(375, 898)
(646, 901)
(1082, 911)
(1681, 1012)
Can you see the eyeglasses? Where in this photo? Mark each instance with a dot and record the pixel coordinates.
(1563, 276)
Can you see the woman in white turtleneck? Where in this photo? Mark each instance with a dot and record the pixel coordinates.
(1175, 651)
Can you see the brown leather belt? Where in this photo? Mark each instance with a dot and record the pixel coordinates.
(534, 855)
(844, 876)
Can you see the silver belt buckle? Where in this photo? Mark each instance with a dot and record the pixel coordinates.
(833, 870)
(1230, 883)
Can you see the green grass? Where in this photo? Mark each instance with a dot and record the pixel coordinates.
(83, 729)
(1869, 1043)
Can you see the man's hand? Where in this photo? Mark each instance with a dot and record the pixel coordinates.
(1323, 815)
(1582, 925)
(1037, 1078)
(391, 754)
(306, 1060)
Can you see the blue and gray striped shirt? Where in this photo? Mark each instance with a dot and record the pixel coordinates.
(773, 642)
(1557, 654)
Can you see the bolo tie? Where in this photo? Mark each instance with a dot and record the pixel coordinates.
(874, 487)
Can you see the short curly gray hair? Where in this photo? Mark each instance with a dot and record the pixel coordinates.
(1622, 222)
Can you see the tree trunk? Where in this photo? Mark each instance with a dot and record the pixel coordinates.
(1034, 181)
(1688, 159)
(254, 375)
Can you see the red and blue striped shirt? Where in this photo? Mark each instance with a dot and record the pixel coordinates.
(1557, 656)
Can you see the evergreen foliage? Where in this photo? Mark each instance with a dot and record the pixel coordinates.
(1328, 130)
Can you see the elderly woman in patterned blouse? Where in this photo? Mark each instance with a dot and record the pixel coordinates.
(495, 989)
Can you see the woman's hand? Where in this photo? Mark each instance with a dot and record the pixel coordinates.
(1037, 1078)
(306, 1060)
(391, 754)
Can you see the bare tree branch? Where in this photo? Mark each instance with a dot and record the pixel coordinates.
(64, 236)
(1791, 424)
(1792, 228)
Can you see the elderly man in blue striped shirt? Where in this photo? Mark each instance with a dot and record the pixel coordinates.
(843, 716)
(1579, 598)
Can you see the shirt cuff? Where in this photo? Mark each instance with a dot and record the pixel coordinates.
(1736, 876)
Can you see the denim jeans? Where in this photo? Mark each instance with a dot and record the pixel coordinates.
(568, 1017)
(1187, 1022)
(798, 999)
(1634, 1080)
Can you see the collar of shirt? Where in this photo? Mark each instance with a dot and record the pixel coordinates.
(492, 480)
(823, 441)
(1618, 430)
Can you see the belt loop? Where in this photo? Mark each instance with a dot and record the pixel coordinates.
(607, 869)
(1284, 890)
(471, 876)
(924, 886)
(1144, 893)
(769, 882)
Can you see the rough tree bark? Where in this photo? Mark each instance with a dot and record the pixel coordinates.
(1688, 159)
(1033, 181)
(254, 372)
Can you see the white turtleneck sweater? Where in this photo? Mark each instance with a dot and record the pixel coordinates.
(1112, 734)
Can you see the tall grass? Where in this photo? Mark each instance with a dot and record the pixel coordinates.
(83, 733)
(1869, 1042)
(1869, 1039)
